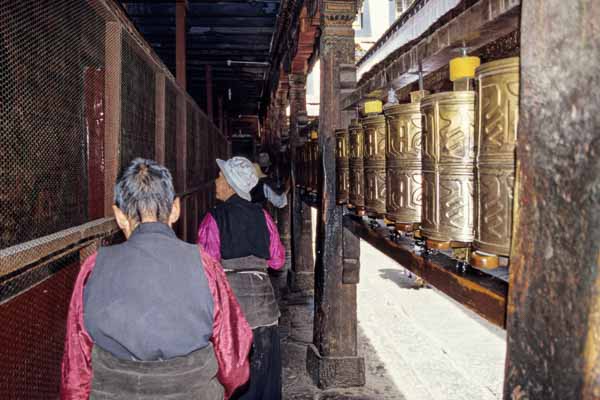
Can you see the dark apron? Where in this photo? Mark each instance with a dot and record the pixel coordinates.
(181, 378)
(250, 282)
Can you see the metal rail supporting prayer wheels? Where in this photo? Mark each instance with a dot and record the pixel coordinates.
(496, 138)
(403, 163)
(374, 159)
(356, 193)
(448, 162)
(342, 166)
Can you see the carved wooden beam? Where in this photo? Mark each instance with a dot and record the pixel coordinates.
(480, 24)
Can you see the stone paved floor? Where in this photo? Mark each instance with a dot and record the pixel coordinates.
(417, 343)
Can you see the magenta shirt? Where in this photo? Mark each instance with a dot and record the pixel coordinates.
(210, 239)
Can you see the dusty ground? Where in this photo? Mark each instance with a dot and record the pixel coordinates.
(417, 343)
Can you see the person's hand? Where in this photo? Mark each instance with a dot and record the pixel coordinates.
(288, 186)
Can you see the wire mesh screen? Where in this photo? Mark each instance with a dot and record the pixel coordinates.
(32, 335)
(171, 130)
(67, 68)
(194, 148)
(43, 133)
(137, 104)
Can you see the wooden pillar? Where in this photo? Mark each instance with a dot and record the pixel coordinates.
(159, 109)
(301, 276)
(181, 143)
(112, 133)
(181, 7)
(209, 91)
(332, 359)
(553, 321)
(220, 113)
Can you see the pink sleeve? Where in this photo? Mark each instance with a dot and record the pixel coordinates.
(276, 248)
(76, 368)
(209, 237)
(232, 336)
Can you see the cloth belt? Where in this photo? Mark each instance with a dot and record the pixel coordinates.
(181, 378)
(250, 282)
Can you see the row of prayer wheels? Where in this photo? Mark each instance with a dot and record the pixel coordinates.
(307, 161)
(442, 165)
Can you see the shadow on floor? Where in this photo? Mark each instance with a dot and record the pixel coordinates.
(403, 278)
(296, 332)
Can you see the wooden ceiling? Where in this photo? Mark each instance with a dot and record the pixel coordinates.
(217, 31)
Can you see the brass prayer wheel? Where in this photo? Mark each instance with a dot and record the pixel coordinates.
(496, 139)
(403, 163)
(342, 166)
(356, 192)
(448, 162)
(374, 162)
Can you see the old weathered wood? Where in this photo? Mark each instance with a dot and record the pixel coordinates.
(481, 23)
(553, 318)
(333, 360)
(159, 109)
(208, 82)
(301, 276)
(112, 127)
(484, 294)
(16, 257)
(180, 41)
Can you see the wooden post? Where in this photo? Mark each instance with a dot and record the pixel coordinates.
(181, 7)
(220, 113)
(333, 360)
(209, 90)
(159, 109)
(553, 322)
(181, 143)
(301, 277)
(112, 133)
(93, 89)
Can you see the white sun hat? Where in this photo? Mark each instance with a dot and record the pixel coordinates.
(240, 174)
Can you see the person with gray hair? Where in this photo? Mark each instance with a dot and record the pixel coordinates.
(153, 317)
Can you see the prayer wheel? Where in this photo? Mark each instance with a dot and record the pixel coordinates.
(374, 160)
(448, 162)
(403, 163)
(496, 139)
(342, 166)
(356, 192)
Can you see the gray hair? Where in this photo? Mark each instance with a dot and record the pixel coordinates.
(145, 188)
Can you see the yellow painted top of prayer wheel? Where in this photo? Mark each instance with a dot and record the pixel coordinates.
(373, 107)
(463, 67)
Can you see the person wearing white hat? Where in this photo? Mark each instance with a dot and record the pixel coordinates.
(263, 192)
(244, 238)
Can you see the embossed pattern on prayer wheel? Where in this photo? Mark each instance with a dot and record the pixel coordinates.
(356, 195)
(342, 166)
(448, 162)
(497, 119)
(374, 159)
(403, 163)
